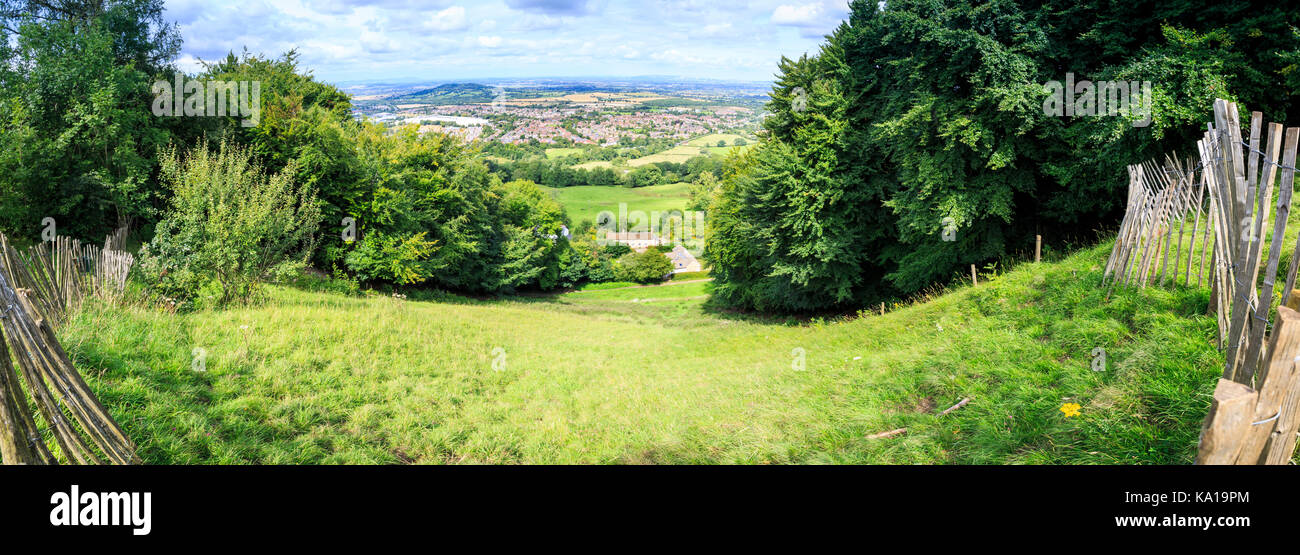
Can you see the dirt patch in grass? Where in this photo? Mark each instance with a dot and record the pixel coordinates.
(924, 406)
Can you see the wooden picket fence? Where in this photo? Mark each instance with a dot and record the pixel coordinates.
(1235, 201)
(37, 289)
(1161, 198)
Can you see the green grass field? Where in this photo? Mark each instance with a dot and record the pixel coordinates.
(680, 154)
(699, 146)
(677, 154)
(712, 140)
(586, 202)
(653, 375)
(553, 153)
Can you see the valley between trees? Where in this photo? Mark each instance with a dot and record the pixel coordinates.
(340, 284)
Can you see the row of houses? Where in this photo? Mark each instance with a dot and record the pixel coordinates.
(683, 260)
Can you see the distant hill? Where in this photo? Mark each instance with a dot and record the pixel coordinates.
(451, 93)
(469, 93)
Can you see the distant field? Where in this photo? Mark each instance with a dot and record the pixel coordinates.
(594, 165)
(585, 203)
(680, 154)
(712, 140)
(553, 153)
(699, 146)
(677, 154)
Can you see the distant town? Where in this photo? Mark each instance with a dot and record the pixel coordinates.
(556, 113)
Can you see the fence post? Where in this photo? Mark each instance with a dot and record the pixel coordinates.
(974, 280)
(1038, 248)
(15, 443)
(27, 339)
(1227, 423)
(1276, 380)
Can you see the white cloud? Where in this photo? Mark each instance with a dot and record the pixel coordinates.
(377, 43)
(716, 30)
(564, 7)
(813, 19)
(411, 39)
(450, 19)
(798, 15)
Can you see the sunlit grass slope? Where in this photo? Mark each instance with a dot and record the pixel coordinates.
(653, 376)
(587, 202)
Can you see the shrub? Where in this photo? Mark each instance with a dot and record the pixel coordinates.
(643, 267)
(615, 250)
(383, 257)
(229, 225)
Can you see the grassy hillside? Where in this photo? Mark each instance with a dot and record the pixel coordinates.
(553, 153)
(699, 146)
(586, 202)
(712, 140)
(653, 376)
(464, 93)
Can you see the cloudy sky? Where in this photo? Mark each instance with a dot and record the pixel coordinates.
(370, 40)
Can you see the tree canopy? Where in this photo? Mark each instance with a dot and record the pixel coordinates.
(916, 116)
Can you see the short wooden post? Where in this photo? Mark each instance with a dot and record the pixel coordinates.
(1227, 424)
(1038, 249)
(882, 309)
(974, 280)
(1275, 382)
(1281, 443)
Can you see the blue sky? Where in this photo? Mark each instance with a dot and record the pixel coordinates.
(371, 40)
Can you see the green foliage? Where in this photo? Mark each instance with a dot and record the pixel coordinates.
(917, 115)
(649, 266)
(382, 257)
(426, 209)
(229, 222)
(79, 143)
(529, 222)
(306, 124)
(615, 250)
(646, 176)
(580, 265)
(702, 191)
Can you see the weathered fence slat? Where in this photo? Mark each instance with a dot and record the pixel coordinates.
(1256, 340)
(1227, 423)
(1243, 191)
(36, 291)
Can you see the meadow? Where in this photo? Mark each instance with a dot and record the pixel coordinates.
(553, 153)
(712, 140)
(655, 375)
(587, 202)
(700, 146)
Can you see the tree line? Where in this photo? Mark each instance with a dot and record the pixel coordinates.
(221, 207)
(918, 117)
(560, 173)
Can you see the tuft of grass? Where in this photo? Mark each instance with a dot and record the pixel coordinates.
(688, 276)
(653, 375)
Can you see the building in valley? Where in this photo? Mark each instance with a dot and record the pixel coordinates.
(684, 261)
(637, 240)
